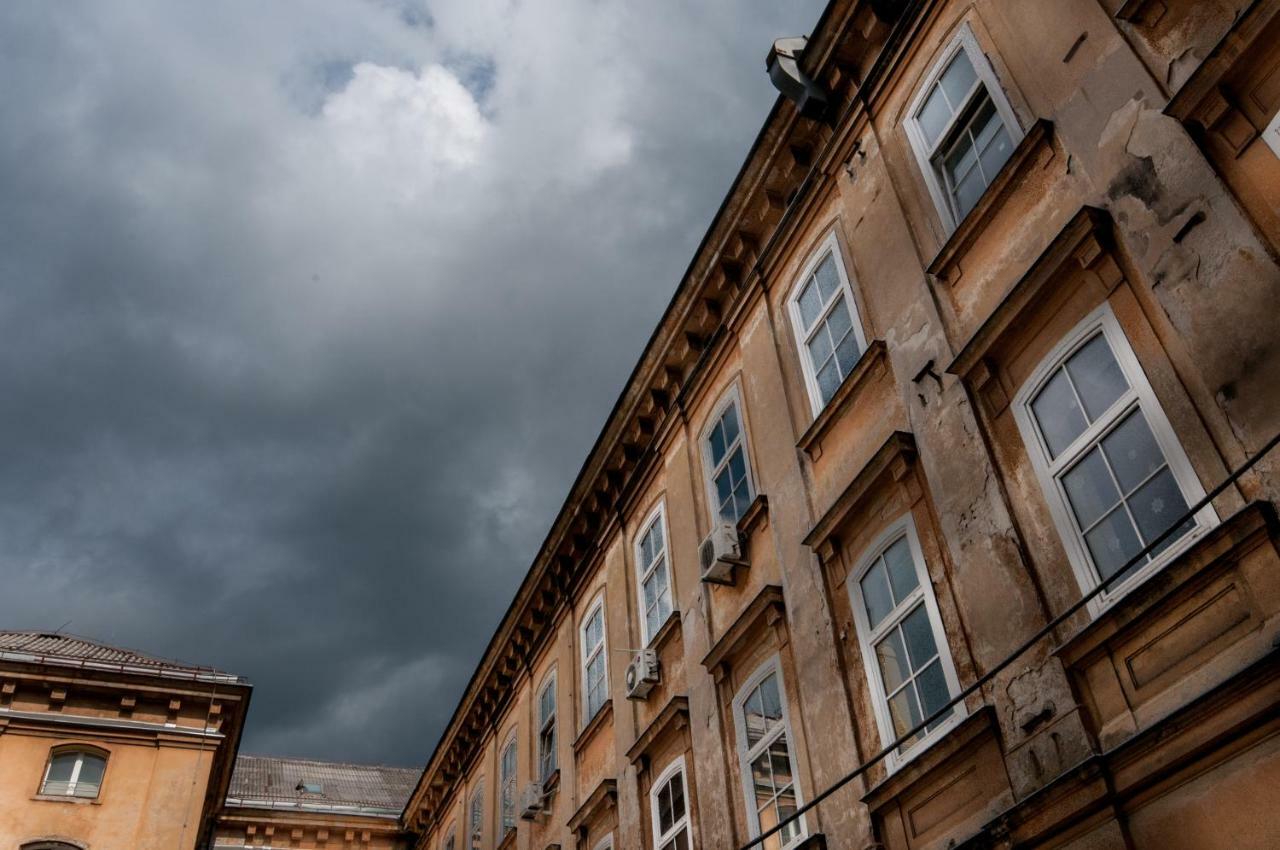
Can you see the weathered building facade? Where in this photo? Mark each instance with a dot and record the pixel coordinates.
(923, 500)
(988, 311)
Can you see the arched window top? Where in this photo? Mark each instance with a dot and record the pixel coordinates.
(74, 770)
(727, 469)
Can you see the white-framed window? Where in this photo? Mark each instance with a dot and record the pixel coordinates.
(476, 830)
(595, 667)
(73, 773)
(653, 572)
(508, 762)
(669, 809)
(826, 322)
(547, 728)
(451, 838)
(605, 843)
(961, 127)
(728, 470)
(765, 757)
(1112, 469)
(904, 649)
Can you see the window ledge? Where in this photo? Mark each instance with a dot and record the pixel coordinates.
(767, 607)
(67, 798)
(1218, 547)
(869, 365)
(1085, 243)
(508, 841)
(933, 755)
(1025, 156)
(601, 799)
(895, 458)
(673, 715)
(756, 517)
(603, 716)
(663, 636)
(814, 841)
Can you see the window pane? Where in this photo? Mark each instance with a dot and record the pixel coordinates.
(828, 381)
(787, 808)
(847, 354)
(61, 766)
(770, 704)
(819, 347)
(655, 538)
(838, 320)
(968, 192)
(780, 762)
(902, 569)
(742, 497)
(875, 594)
(893, 661)
(810, 303)
(1133, 452)
(958, 79)
(1058, 414)
(665, 818)
(828, 279)
(1090, 489)
(724, 487)
(677, 796)
(919, 634)
(934, 693)
(933, 116)
(762, 780)
(1157, 505)
(738, 466)
(1097, 376)
(960, 160)
(1112, 542)
(730, 419)
(716, 439)
(91, 770)
(996, 150)
(905, 711)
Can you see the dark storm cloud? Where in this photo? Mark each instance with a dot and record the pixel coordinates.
(310, 311)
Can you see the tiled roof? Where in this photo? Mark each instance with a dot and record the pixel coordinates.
(71, 650)
(266, 782)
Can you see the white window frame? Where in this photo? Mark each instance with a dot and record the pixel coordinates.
(553, 722)
(80, 754)
(605, 843)
(585, 658)
(657, 516)
(904, 526)
(508, 784)
(475, 817)
(1140, 394)
(450, 837)
(745, 754)
(733, 395)
(830, 246)
(686, 822)
(925, 153)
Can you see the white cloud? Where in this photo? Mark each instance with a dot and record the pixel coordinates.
(410, 125)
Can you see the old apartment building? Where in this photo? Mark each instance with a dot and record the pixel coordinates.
(935, 497)
(991, 307)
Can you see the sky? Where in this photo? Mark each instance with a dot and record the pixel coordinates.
(311, 311)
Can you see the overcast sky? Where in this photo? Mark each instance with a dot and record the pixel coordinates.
(309, 313)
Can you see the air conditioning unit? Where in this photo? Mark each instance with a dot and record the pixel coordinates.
(642, 674)
(720, 553)
(531, 801)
